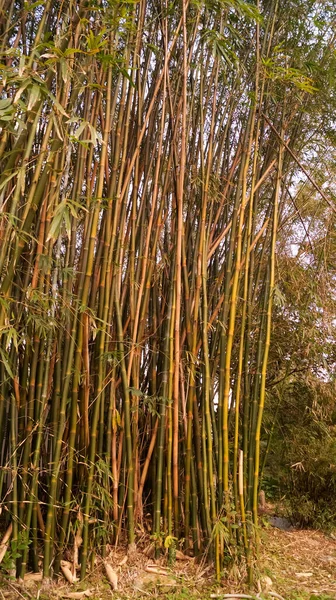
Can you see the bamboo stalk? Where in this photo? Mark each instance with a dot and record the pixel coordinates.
(139, 208)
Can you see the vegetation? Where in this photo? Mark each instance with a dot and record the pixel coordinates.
(300, 419)
(151, 162)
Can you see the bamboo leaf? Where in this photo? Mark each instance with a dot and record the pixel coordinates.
(5, 361)
(9, 177)
(55, 225)
(34, 96)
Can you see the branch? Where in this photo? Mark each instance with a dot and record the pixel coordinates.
(312, 181)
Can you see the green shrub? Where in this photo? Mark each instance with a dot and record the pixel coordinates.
(301, 465)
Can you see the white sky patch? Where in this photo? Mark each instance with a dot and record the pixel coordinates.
(216, 398)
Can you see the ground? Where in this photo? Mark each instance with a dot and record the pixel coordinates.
(293, 565)
(301, 563)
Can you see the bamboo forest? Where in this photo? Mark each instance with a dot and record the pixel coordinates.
(167, 297)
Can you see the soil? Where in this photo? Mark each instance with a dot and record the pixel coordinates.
(293, 565)
(301, 563)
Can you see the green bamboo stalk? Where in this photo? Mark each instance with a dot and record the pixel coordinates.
(268, 337)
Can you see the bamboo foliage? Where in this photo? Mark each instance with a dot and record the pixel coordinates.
(140, 191)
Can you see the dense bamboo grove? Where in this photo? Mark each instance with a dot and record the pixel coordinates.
(144, 168)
